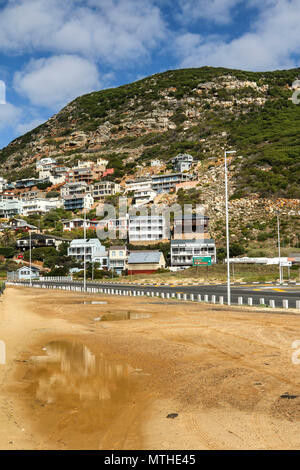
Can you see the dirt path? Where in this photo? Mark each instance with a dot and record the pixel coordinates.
(72, 381)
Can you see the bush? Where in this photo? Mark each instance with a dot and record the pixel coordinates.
(7, 251)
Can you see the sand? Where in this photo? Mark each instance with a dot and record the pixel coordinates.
(72, 381)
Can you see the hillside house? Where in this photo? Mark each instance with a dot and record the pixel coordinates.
(94, 251)
(145, 262)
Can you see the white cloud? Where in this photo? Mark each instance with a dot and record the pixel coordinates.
(114, 31)
(216, 11)
(55, 81)
(9, 115)
(24, 127)
(273, 42)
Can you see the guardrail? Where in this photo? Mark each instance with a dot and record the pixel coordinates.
(123, 291)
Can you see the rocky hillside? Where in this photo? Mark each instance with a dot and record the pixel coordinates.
(199, 111)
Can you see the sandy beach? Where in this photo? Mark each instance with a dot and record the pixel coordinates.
(100, 372)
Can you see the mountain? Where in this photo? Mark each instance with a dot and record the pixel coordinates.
(201, 111)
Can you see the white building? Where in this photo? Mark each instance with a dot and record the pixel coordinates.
(138, 185)
(78, 224)
(147, 228)
(40, 206)
(3, 183)
(94, 251)
(23, 274)
(182, 162)
(78, 202)
(10, 208)
(69, 189)
(117, 259)
(45, 163)
(105, 188)
(183, 251)
(143, 196)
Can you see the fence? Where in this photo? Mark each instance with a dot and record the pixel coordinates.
(123, 291)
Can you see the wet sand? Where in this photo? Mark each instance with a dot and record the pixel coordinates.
(87, 375)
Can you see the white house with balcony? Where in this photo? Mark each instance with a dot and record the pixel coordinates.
(141, 184)
(182, 162)
(147, 228)
(40, 205)
(94, 251)
(117, 258)
(10, 208)
(45, 163)
(143, 196)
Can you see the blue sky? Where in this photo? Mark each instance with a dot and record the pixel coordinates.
(52, 51)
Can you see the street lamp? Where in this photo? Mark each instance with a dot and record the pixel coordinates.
(30, 269)
(84, 252)
(279, 256)
(227, 228)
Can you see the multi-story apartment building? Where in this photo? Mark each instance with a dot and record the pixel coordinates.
(40, 206)
(114, 228)
(147, 228)
(84, 174)
(94, 251)
(103, 189)
(182, 162)
(143, 196)
(3, 183)
(140, 184)
(164, 183)
(69, 189)
(190, 227)
(45, 163)
(117, 259)
(10, 208)
(184, 251)
(78, 202)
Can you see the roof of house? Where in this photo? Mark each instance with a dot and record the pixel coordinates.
(198, 241)
(88, 241)
(33, 268)
(117, 247)
(41, 236)
(143, 257)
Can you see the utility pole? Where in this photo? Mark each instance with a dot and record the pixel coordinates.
(84, 250)
(227, 229)
(279, 256)
(30, 282)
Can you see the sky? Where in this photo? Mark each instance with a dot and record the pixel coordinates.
(52, 51)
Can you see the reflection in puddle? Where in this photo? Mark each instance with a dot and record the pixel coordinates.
(78, 396)
(94, 302)
(72, 369)
(124, 316)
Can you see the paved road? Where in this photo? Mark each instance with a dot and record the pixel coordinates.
(256, 291)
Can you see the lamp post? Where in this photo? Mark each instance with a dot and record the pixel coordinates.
(84, 250)
(279, 254)
(227, 228)
(30, 270)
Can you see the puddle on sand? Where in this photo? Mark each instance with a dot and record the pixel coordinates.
(124, 316)
(77, 395)
(94, 302)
